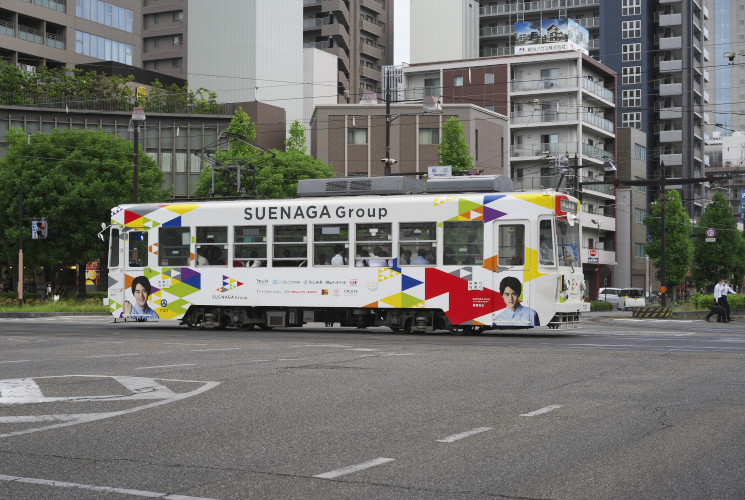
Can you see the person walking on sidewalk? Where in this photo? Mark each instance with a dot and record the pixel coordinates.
(718, 310)
(724, 291)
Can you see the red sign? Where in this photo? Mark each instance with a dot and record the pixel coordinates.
(593, 252)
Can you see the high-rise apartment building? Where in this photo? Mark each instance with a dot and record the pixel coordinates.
(360, 33)
(727, 46)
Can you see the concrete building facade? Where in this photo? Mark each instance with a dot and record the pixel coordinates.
(444, 30)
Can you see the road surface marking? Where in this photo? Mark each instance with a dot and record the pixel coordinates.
(164, 366)
(541, 411)
(321, 345)
(226, 349)
(107, 489)
(16, 361)
(354, 468)
(456, 437)
(180, 343)
(115, 355)
(26, 391)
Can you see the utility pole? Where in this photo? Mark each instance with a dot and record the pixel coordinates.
(20, 243)
(387, 159)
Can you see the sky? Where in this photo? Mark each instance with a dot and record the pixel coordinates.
(401, 44)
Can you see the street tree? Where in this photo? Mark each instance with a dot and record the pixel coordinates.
(72, 178)
(679, 247)
(277, 173)
(724, 257)
(453, 148)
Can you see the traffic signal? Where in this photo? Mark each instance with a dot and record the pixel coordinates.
(43, 227)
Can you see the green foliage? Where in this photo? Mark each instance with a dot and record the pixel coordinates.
(296, 141)
(724, 257)
(73, 178)
(453, 148)
(79, 89)
(276, 177)
(600, 305)
(703, 302)
(678, 238)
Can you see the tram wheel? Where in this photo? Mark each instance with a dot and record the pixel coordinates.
(460, 330)
(196, 324)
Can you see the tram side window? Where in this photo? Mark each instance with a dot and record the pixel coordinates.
(114, 248)
(373, 245)
(137, 249)
(546, 252)
(330, 244)
(512, 245)
(419, 240)
(463, 243)
(249, 246)
(290, 246)
(212, 246)
(173, 246)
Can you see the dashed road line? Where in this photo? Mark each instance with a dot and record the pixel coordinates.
(543, 410)
(16, 361)
(164, 366)
(115, 355)
(225, 349)
(180, 343)
(462, 435)
(91, 487)
(354, 468)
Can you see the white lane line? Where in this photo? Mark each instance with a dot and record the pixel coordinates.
(456, 437)
(17, 388)
(16, 361)
(180, 343)
(107, 489)
(321, 345)
(354, 468)
(164, 366)
(226, 349)
(115, 355)
(24, 419)
(541, 411)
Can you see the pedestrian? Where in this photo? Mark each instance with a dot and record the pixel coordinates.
(724, 291)
(717, 309)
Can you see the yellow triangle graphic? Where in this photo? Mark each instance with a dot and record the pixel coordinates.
(531, 267)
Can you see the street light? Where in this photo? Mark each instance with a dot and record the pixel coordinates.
(138, 115)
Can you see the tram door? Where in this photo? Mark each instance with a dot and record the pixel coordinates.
(116, 265)
(511, 242)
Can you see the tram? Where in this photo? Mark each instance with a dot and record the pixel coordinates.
(464, 254)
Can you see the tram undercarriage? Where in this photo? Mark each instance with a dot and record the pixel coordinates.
(266, 318)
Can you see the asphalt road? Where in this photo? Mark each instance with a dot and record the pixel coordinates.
(620, 408)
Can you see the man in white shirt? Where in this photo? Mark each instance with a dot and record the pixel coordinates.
(340, 259)
(725, 290)
(717, 301)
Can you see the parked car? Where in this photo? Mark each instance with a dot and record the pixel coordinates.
(609, 294)
(631, 297)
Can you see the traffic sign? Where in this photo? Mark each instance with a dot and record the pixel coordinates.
(593, 252)
(711, 232)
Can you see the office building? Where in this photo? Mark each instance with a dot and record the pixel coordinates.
(444, 30)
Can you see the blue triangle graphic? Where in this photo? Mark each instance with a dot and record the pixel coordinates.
(395, 266)
(409, 282)
(494, 197)
(176, 222)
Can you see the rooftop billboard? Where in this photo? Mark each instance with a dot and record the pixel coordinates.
(550, 35)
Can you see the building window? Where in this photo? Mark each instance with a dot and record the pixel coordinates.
(178, 15)
(639, 250)
(357, 136)
(640, 152)
(458, 81)
(429, 136)
(631, 29)
(631, 75)
(631, 52)
(488, 78)
(632, 98)
(639, 215)
(432, 86)
(178, 62)
(178, 39)
(631, 7)
(633, 120)
(104, 13)
(102, 48)
(641, 189)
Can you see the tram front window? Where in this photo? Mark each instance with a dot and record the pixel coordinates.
(568, 243)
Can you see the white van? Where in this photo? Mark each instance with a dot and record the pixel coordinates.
(631, 297)
(609, 295)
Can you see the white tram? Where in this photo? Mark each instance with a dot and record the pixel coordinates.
(462, 254)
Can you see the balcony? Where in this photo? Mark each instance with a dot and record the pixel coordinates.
(338, 32)
(674, 113)
(706, 97)
(598, 90)
(671, 43)
(671, 136)
(315, 23)
(539, 84)
(495, 51)
(671, 89)
(7, 28)
(671, 20)
(30, 34)
(598, 121)
(374, 5)
(671, 160)
(706, 76)
(537, 150)
(374, 28)
(675, 66)
(601, 189)
(534, 183)
(595, 153)
(606, 256)
(492, 31)
(542, 117)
